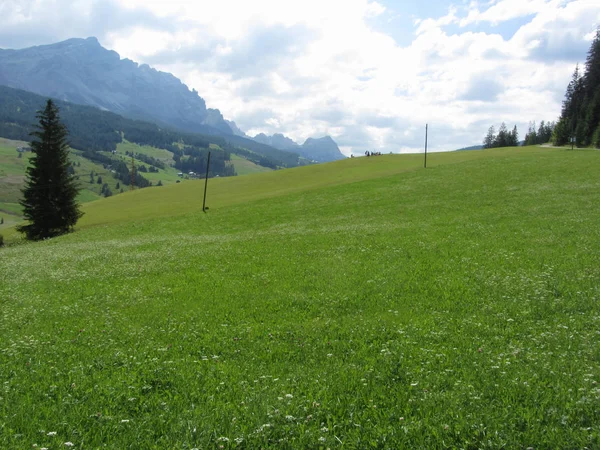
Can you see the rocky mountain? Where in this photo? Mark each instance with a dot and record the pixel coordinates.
(235, 129)
(278, 141)
(82, 71)
(321, 150)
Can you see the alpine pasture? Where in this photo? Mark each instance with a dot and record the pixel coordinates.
(367, 303)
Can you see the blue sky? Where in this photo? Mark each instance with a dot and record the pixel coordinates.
(368, 73)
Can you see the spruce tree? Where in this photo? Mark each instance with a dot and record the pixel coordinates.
(514, 137)
(591, 88)
(49, 197)
(567, 123)
(490, 138)
(502, 138)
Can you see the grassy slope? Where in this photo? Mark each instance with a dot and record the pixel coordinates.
(361, 302)
(244, 167)
(167, 175)
(12, 172)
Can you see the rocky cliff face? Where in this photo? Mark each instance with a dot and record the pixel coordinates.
(82, 71)
(278, 141)
(321, 150)
(235, 129)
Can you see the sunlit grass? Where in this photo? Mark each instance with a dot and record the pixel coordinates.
(364, 303)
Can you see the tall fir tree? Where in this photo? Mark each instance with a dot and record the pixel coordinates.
(490, 138)
(568, 117)
(49, 197)
(591, 87)
(514, 137)
(580, 115)
(502, 139)
(531, 136)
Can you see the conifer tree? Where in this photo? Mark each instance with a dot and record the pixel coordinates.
(580, 115)
(490, 138)
(49, 197)
(514, 137)
(571, 103)
(502, 138)
(591, 87)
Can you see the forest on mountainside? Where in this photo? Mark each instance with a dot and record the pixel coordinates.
(93, 130)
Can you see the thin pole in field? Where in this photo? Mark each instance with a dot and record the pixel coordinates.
(426, 129)
(206, 183)
(132, 186)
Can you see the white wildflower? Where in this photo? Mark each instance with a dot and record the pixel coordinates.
(51, 433)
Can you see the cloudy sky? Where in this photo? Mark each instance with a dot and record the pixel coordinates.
(369, 73)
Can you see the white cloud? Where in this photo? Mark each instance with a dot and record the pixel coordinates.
(315, 67)
(504, 10)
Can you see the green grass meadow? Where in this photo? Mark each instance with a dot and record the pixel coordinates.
(366, 303)
(245, 167)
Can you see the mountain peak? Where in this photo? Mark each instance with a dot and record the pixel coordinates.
(323, 140)
(317, 149)
(81, 71)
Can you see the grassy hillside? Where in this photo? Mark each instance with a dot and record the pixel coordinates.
(12, 173)
(244, 167)
(12, 179)
(363, 303)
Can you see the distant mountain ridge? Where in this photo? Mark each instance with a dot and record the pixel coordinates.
(81, 71)
(321, 150)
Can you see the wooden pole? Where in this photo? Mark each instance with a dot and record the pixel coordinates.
(426, 129)
(132, 174)
(206, 183)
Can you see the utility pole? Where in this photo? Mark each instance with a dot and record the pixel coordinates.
(426, 129)
(132, 183)
(206, 183)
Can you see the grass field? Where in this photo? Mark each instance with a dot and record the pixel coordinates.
(366, 303)
(12, 171)
(244, 167)
(12, 179)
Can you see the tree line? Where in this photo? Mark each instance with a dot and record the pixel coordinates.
(579, 120)
(580, 114)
